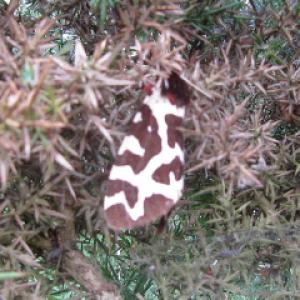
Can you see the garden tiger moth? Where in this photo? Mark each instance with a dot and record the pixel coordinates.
(146, 179)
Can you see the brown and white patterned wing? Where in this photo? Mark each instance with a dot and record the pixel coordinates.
(146, 178)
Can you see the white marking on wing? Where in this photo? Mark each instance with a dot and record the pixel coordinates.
(161, 106)
(147, 186)
(138, 117)
(132, 144)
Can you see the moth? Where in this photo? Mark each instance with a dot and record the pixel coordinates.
(146, 178)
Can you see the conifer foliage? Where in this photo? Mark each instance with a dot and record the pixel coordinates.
(78, 84)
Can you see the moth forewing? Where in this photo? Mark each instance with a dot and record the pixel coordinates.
(146, 179)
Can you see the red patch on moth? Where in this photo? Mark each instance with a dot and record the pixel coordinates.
(176, 90)
(174, 135)
(154, 207)
(162, 174)
(115, 186)
(147, 88)
(149, 140)
(171, 97)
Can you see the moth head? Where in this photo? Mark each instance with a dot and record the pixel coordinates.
(173, 88)
(176, 90)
